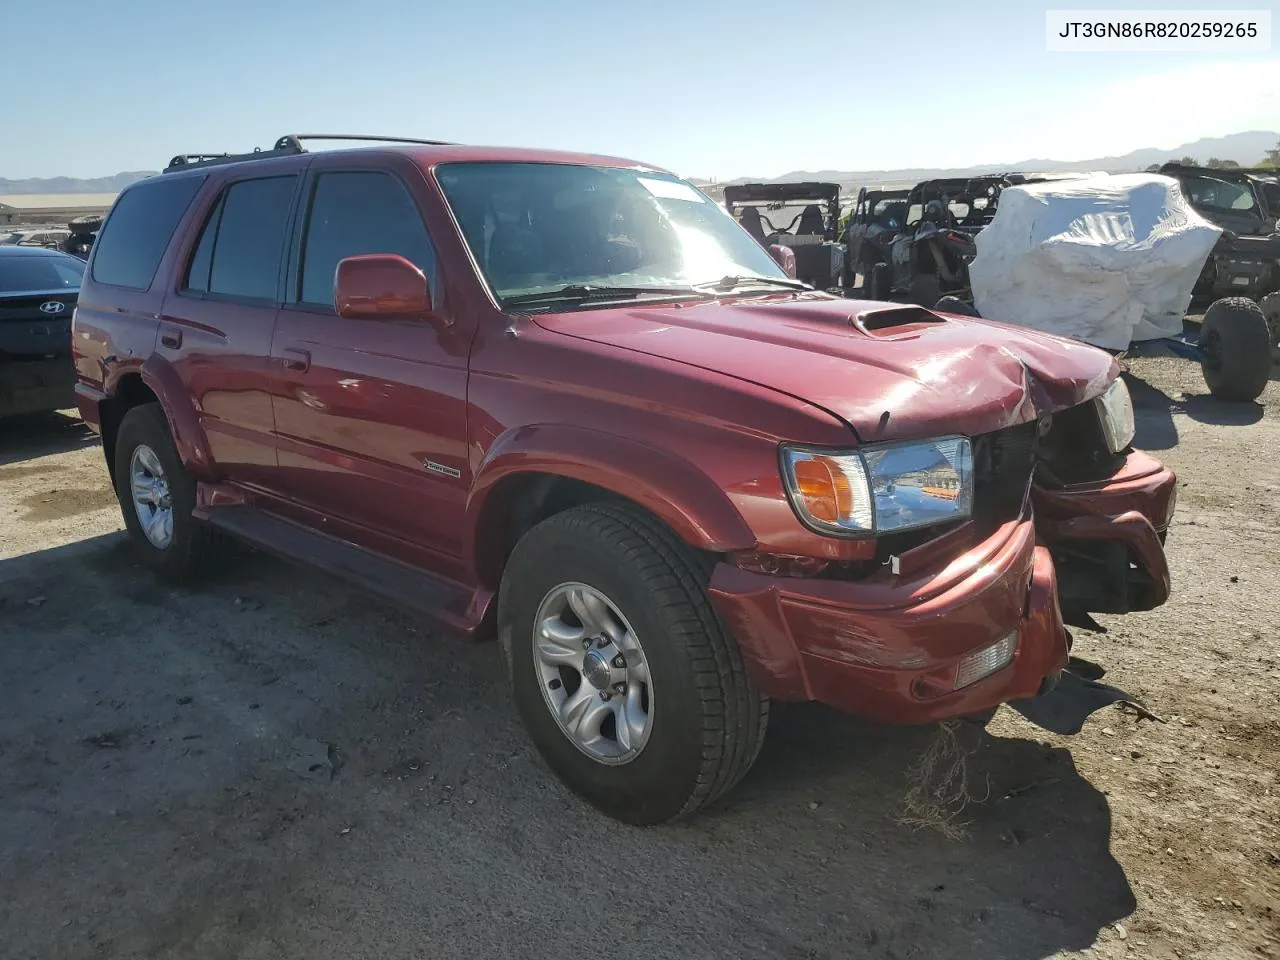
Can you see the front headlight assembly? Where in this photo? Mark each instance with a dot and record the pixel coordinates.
(1115, 412)
(880, 488)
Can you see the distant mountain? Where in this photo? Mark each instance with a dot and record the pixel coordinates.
(112, 184)
(1245, 149)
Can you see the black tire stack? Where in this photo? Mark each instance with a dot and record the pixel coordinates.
(83, 230)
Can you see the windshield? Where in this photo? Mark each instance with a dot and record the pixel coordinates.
(539, 227)
(39, 274)
(1221, 196)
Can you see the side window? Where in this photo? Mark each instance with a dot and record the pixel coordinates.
(240, 248)
(353, 213)
(138, 230)
(197, 278)
(248, 247)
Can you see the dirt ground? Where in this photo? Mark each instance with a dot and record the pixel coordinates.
(274, 766)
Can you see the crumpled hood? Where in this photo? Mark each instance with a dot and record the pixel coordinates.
(887, 378)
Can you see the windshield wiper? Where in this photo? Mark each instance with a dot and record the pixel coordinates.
(582, 291)
(725, 284)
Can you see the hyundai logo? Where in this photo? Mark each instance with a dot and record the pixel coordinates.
(52, 307)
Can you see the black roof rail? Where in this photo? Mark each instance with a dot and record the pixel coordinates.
(287, 146)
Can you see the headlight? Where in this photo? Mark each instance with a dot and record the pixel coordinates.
(1115, 410)
(881, 488)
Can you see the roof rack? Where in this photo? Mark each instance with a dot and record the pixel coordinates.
(288, 145)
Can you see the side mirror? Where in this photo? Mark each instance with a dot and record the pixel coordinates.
(785, 257)
(380, 286)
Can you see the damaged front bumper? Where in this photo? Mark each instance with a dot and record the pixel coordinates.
(1107, 538)
(950, 637)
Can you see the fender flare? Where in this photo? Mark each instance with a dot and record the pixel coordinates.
(672, 488)
(184, 423)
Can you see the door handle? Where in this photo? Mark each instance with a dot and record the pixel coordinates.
(296, 359)
(171, 338)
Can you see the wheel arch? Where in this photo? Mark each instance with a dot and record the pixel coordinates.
(535, 473)
(128, 390)
(155, 381)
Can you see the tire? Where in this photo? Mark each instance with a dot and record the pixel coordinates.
(956, 305)
(192, 546)
(1237, 347)
(878, 282)
(1270, 305)
(705, 719)
(89, 224)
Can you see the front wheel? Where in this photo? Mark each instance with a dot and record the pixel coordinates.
(157, 496)
(628, 683)
(1237, 349)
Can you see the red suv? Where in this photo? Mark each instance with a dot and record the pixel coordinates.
(566, 399)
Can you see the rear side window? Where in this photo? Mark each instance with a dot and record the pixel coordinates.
(353, 213)
(240, 248)
(139, 228)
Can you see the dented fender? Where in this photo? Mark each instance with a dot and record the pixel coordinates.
(672, 488)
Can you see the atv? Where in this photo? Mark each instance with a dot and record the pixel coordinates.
(874, 222)
(929, 258)
(810, 232)
(1246, 261)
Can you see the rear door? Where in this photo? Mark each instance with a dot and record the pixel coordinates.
(216, 327)
(371, 414)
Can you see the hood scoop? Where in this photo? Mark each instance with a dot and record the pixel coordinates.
(894, 320)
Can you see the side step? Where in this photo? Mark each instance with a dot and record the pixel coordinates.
(408, 587)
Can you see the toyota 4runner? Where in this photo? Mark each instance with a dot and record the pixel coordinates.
(566, 400)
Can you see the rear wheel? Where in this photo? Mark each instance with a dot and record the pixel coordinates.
(628, 683)
(1237, 349)
(157, 497)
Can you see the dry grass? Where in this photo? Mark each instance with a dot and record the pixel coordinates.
(938, 782)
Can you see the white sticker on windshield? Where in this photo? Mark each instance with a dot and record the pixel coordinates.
(671, 190)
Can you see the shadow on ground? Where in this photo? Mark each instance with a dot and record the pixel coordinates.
(1156, 413)
(22, 438)
(273, 766)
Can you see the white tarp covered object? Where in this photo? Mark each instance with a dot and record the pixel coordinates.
(1109, 260)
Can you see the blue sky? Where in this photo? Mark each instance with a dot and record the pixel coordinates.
(703, 87)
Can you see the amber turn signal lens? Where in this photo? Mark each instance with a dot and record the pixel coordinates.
(824, 489)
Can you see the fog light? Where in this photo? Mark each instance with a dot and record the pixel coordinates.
(984, 662)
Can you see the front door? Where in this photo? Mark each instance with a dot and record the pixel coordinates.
(371, 414)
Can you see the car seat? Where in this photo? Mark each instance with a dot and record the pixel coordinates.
(810, 222)
(515, 252)
(751, 222)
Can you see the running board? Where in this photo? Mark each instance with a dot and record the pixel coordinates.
(406, 586)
